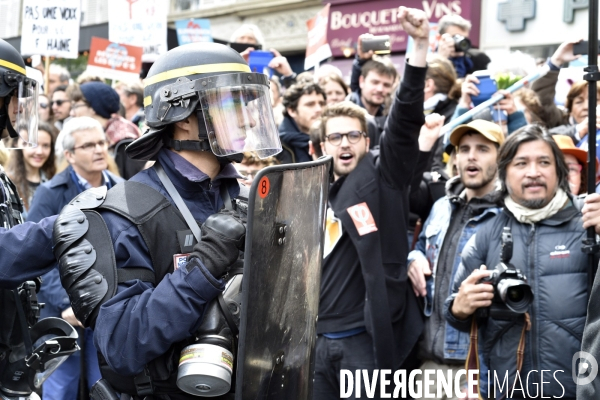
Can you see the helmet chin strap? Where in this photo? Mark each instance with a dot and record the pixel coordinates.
(201, 145)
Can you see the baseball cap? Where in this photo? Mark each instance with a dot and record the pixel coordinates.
(488, 129)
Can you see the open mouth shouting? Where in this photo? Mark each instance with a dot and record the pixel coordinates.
(346, 157)
(472, 170)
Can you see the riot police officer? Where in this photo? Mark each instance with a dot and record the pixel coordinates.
(204, 108)
(29, 350)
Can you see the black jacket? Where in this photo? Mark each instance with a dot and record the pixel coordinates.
(381, 180)
(294, 143)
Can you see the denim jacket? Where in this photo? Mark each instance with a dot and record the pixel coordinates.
(430, 244)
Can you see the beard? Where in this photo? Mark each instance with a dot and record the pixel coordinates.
(370, 103)
(533, 204)
(488, 176)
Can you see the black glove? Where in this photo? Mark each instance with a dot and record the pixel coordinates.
(223, 236)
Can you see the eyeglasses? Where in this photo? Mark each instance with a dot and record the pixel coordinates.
(352, 136)
(59, 102)
(574, 169)
(248, 173)
(77, 105)
(44, 105)
(91, 146)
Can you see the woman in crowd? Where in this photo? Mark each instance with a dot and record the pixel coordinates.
(31, 166)
(527, 100)
(576, 125)
(335, 88)
(44, 108)
(576, 160)
(441, 89)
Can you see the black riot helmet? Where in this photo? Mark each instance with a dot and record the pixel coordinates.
(214, 82)
(19, 104)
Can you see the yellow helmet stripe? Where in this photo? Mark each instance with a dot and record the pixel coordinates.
(14, 67)
(196, 69)
(147, 101)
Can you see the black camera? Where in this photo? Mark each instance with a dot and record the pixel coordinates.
(512, 293)
(461, 43)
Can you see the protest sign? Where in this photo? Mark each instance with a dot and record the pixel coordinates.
(113, 60)
(51, 28)
(193, 30)
(318, 49)
(139, 23)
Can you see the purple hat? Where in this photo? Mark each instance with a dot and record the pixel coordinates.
(103, 99)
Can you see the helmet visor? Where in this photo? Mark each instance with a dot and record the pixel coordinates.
(240, 119)
(22, 109)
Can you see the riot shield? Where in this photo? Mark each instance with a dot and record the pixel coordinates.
(282, 274)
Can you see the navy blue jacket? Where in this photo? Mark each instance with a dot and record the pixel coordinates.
(294, 143)
(26, 252)
(48, 200)
(52, 196)
(142, 321)
(549, 254)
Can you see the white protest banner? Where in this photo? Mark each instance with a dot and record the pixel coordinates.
(51, 28)
(140, 23)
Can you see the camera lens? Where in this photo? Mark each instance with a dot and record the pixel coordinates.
(461, 43)
(516, 294)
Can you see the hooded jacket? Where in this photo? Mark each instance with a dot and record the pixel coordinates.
(455, 219)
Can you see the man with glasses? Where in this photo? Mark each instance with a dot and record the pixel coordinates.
(368, 314)
(101, 102)
(61, 106)
(85, 149)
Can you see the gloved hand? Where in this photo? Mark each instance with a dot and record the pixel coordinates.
(223, 236)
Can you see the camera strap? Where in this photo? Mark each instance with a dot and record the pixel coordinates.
(472, 361)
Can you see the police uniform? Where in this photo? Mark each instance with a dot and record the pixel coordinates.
(160, 303)
(29, 350)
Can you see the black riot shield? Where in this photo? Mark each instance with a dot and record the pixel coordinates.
(282, 274)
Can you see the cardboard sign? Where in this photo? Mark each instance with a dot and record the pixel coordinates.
(51, 28)
(139, 23)
(193, 30)
(318, 48)
(362, 218)
(113, 60)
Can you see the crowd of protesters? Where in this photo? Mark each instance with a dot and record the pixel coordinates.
(407, 297)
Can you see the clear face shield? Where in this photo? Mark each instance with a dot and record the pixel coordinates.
(20, 112)
(240, 119)
(236, 109)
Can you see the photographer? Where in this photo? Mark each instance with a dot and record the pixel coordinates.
(546, 231)
(454, 31)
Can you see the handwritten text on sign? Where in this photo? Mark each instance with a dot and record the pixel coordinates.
(139, 23)
(51, 28)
